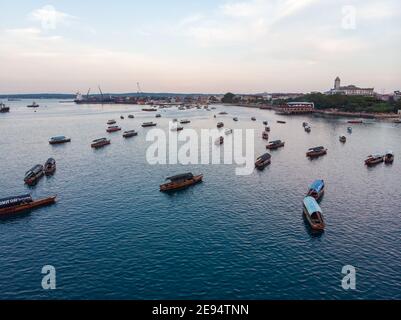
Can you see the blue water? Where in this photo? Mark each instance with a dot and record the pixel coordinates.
(113, 235)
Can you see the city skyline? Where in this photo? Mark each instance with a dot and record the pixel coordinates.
(210, 47)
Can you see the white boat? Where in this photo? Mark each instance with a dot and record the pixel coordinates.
(228, 131)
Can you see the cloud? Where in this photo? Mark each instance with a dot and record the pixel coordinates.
(50, 18)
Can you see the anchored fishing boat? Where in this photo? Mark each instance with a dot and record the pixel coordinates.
(282, 122)
(374, 159)
(265, 135)
(273, 145)
(389, 157)
(228, 132)
(219, 141)
(33, 175)
(177, 128)
(50, 167)
(158, 115)
(355, 121)
(316, 190)
(265, 123)
(3, 108)
(267, 129)
(99, 143)
(253, 119)
(349, 129)
(263, 161)
(220, 125)
(343, 139)
(223, 113)
(113, 129)
(149, 110)
(149, 124)
(235, 119)
(111, 122)
(59, 140)
(316, 152)
(17, 204)
(181, 181)
(130, 134)
(185, 121)
(308, 129)
(131, 116)
(313, 214)
(33, 105)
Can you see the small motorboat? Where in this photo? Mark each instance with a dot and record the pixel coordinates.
(228, 132)
(149, 109)
(33, 175)
(282, 122)
(33, 105)
(305, 124)
(122, 117)
(12, 205)
(273, 145)
(263, 161)
(389, 157)
(265, 136)
(3, 108)
(185, 121)
(223, 113)
(149, 124)
(265, 123)
(50, 167)
(99, 143)
(316, 190)
(219, 141)
(130, 134)
(253, 119)
(111, 122)
(59, 140)
(308, 129)
(267, 129)
(374, 159)
(349, 129)
(131, 116)
(355, 121)
(313, 214)
(220, 125)
(158, 115)
(316, 152)
(235, 119)
(181, 181)
(343, 139)
(177, 128)
(113, 129)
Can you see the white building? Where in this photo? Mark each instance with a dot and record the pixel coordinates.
(350, 90)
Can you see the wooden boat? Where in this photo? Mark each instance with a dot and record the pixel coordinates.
(13, 205)
(349, 129)
(149, 109)
(99, 143)
(389, 157)
(122, 117)
(131, 116)
(228, 132)
(265, 123)
(33, 175)
(253, 119)
(113, 129)
(343, 139)
(158, 115)
(282, 122)
(267, 129)
(316, 190)
(33, 105)
(181, 181)
(235, 119)
(374, 159)
(50, 167)
(149, 124)
(3, 108)
(223, 113)
(308, 129)
(313, 214)
(219, 141)
(130, 134)
(316, 152)
(111, 122)
(305, 124)
(273, 145)
(265, 135)
(220, 125)
(59, 140)
(185, 121)
(355, 121)
(263, 161)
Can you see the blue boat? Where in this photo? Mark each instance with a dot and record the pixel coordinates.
(316, 189)
(313, 214)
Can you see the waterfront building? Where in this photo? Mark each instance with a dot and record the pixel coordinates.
(350, 90)
(397, 95)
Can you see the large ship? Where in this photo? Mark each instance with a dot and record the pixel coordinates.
(88, 99)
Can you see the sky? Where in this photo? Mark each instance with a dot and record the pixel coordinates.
(242, 46)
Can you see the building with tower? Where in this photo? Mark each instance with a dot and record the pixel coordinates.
(350, 90)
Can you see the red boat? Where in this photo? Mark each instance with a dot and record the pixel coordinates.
(355, 121)
(113, 129)
(316, 152)
(12, 205)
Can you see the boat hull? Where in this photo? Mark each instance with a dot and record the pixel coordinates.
(60, 141)
(100, 145)
(314, 154)
(28, 206)
(181, 185)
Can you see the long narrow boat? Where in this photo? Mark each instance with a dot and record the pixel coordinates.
(219, 141)
(313, 214)
(263, 161)
(181, 181)
(149, 124)
(374, 159)
(316, 152)
(13, 205)
(113, 129)
(33, 175)
(282, 122)
(100, 143)
(316, 190)
(130, 134)
(355, 121)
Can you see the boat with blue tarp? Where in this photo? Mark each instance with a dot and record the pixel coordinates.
(316, 189)
(313, 214)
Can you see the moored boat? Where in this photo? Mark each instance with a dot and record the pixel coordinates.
(111, 122)
(313, 214)
(265, 135)
(12, 205)
(355, 121)
(122, 117)
(219, 141)
(220, 125)
(131, 116)
(343, 139)
(265, 123)
(263, 161)
(33, 175)
(223, 113)
(349, 129)
(374, 159)
(113, 129)
(267, 129)
(59, 140)
(235, 119)
(228, 132)
(275, 144)
(177, 128)
(185, 121)
(149, 124)
(316, 189)
(3, 108)
(389, 157)
(282, 122)
(50, 167)
(305, 124)
(316, 152)
(253, 119)
(149, 109)
(130, 134)
(99, 143)
(181, 181)
(158, 115)
(308, 129)
(33, 105)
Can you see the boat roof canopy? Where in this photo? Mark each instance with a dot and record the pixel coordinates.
(265, 157)
(275, 142)
(317, 185)
(58, 138)
(180, 177)
(311, 205)
(10, 201)
(317, 148)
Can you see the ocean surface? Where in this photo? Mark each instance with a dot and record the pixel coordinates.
(113, 235)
